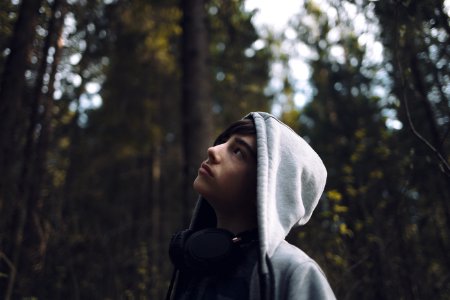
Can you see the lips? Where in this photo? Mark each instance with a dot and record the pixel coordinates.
(204, 168)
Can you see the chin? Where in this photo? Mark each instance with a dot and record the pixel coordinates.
(195, 184)
(200, 186)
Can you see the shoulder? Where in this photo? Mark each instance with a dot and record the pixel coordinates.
(290, 256)
(298, 275)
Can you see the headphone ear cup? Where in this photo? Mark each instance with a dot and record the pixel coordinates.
(209, 249)
(177, 246)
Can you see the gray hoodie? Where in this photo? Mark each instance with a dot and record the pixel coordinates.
(290, 180)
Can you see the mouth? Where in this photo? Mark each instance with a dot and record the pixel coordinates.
(205, 169)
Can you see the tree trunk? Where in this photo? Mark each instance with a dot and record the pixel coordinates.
(54, 41)
(32, 231)
(12, 86)
(196, 103)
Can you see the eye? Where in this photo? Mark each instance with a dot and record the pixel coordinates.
(238, 152)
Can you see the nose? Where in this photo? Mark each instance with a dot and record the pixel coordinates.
(214, 154)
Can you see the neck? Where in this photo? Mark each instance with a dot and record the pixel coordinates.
(236, 224)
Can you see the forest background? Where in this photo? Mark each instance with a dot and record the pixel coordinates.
(107, 107)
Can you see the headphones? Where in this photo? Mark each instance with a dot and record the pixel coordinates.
(208, 250)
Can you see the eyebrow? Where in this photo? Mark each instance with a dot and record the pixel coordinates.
(244, 144)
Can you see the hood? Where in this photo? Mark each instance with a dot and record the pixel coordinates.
(290, 180)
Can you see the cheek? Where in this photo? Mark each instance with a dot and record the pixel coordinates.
(242, 184)
(228, 187)
(250, 185)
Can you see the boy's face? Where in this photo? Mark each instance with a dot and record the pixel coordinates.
(227, 179)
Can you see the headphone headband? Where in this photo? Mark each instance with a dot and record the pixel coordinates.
(208, 249)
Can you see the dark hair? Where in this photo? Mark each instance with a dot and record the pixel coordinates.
(244, 127)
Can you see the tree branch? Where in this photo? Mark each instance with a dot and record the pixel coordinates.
(13, 275)
(445, 167)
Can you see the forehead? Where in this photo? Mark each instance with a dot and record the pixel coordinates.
(241, 127)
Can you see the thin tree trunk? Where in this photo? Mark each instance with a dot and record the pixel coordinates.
(196, 103)
(425, 103)
(45, 137)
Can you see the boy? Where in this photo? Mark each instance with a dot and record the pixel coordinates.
(259, 180)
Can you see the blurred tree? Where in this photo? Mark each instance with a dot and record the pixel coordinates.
(31, 218)
(21, 91)
(12, 84)
(8, 16)
(196, 107)
(421, 73)
(239, 62)
(382, 224)
(101, 164)
(12, 87)
(416, 36)
(127, 143)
